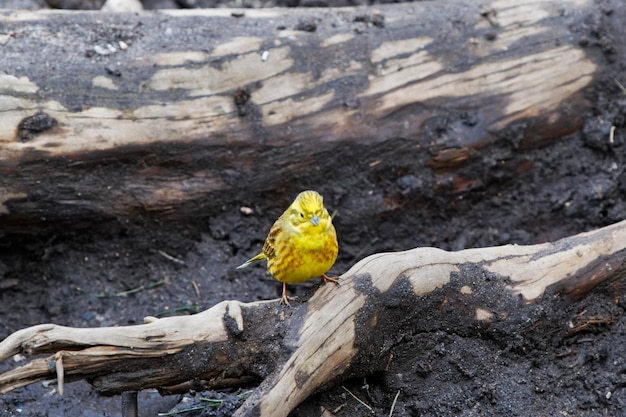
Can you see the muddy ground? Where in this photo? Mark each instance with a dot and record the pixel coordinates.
(125, 269)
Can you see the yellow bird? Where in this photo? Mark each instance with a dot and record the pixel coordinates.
(302, 243)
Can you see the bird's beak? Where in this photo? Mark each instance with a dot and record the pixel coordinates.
(315, 220)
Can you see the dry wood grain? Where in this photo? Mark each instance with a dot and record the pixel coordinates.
(335, 334)
(127, 113)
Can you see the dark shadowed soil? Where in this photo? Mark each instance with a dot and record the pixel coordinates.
(120, 271)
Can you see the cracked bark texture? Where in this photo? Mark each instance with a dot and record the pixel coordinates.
(157, 113)
(340, 331)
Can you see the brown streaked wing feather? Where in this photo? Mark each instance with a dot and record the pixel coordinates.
(270, 241)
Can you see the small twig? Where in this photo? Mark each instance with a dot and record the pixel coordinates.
(621, 87)
(120, 294)
(158, 283)
(129, 404)
(565, 353)
(389, 362)
(366, 247)
(358, 399)
(196, 288)
(9, 283)
(191, 307)
(393, 404)
(242, 395)
(131, 291)
(60, 373)
(171, 258)
(184, 410)
(213, 402)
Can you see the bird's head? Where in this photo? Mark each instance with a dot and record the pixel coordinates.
(307, 212)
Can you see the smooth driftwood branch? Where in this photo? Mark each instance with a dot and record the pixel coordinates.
(340, 332)
(116, 114)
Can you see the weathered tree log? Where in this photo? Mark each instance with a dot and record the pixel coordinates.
(126, 113)
(340, 332)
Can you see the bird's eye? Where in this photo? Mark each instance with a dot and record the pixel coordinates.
(301, 216)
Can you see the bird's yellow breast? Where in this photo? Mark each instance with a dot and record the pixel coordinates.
(300, 255)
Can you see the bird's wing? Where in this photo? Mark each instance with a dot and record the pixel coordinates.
(269, 247)
(253, 260)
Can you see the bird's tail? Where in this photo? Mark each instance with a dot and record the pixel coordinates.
(260, 257)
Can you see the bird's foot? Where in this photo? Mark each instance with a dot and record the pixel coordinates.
(326, 278)
(284, 299)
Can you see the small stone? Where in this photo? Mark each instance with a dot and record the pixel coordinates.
(307, 25)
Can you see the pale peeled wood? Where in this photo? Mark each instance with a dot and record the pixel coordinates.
(175, 101)
(320, 334)
(160, 337)
(405, 71)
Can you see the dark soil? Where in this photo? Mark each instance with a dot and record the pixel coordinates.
(126, 269)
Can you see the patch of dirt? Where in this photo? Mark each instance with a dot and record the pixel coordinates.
(127, 269)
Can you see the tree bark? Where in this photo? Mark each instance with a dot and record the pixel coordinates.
(340, 331)
(121, 114)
